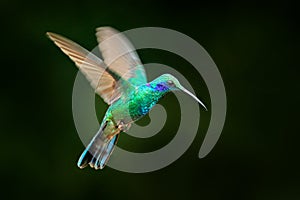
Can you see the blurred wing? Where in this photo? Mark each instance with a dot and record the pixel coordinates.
(104, 81)
(119, 55)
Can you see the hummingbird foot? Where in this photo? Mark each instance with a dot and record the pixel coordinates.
(120, 127)
(111, 135)
(124, 127)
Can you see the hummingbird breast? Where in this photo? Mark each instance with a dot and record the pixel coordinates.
(142, 101)
(136, 105)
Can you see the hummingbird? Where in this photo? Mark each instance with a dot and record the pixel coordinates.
(120, 80)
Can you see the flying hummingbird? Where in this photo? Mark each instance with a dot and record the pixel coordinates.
(120, 80)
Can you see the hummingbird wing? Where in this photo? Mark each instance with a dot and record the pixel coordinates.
(120, 56)
(106, 82)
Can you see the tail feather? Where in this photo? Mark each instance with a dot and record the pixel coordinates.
(98, 151)
(84, 159)
(105, 153)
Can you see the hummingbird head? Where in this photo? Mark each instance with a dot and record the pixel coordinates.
(167, 82)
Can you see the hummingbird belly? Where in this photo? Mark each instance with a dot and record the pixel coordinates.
(134, 106)
(128, 112)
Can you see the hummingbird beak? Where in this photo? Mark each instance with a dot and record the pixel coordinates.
(192, 95)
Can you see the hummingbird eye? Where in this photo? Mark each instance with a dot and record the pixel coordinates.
(171, 83)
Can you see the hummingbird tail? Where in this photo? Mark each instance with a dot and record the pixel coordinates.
(98, 151)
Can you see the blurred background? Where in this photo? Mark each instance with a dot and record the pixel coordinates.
(254, 45)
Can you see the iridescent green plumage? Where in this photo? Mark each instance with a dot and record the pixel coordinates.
(121, 81)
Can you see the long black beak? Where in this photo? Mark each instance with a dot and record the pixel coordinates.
(192, 95)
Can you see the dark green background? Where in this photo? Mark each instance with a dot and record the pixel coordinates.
(255, 48)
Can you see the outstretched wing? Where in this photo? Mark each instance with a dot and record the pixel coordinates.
(105, 81)
(119, 55)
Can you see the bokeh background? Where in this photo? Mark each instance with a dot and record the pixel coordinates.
(255, 46)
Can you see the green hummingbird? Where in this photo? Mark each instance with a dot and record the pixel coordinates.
(121, 81)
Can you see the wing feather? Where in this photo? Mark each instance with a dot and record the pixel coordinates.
(103, 80)
(119, 55)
